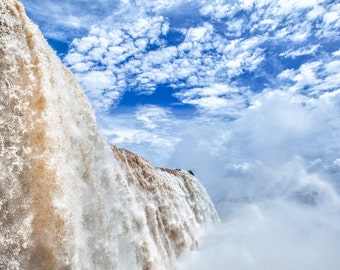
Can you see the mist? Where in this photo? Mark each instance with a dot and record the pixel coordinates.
(275, 234)
(273, 176)
(272, 172)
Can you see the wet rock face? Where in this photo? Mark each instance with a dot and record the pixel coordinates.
(68, 200)
(174, 205)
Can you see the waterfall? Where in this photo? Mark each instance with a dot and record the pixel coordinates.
(68, 199)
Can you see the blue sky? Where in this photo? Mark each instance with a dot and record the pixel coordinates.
(246, 93)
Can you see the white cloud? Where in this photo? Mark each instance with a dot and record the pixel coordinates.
(97, 80)
(316, 12)
(198, 34)
(218, 99)
(333, 67)
(300, 51)
(209, 103)
(330, 24)
(314, 78)
(307, 75)
(214, 90)
(136, 52)
(153, 116)
(331, 17)
(292, 5)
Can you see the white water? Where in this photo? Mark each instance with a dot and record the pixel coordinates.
(274, 234)
(280, 207)
(68, 200)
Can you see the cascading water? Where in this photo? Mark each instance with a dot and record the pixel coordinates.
(68, 200)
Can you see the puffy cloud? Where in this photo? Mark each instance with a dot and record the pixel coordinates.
(153, 116)
(145, 51)
(217, 99)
